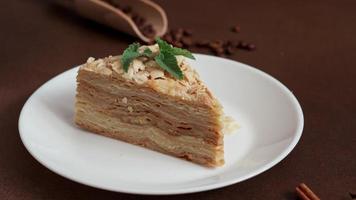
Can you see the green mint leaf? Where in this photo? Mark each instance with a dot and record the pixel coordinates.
(182, 52)
(164, 46)
(147, 52)
(165, 59)
(169, 63)
(129, 54)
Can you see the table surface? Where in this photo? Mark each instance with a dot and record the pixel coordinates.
(310, 46)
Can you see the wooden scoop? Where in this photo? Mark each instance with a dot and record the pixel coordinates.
(105, 13)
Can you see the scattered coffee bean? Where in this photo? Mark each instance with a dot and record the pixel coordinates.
(227, 43)
(202, 43)
(236, 29)
(187, 32)
(183, 38)
(179, 37)
(219, 50)
(168, 38)
(140, 21)
(251, 47)
(178, 44)
(146, 28)
(246, 46)
(187, 41)
(177, 34)
(180, 31)
(242, 45)
(219, 42)
(213, 45)
(229, 50)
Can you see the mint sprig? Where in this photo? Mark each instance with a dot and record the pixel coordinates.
(147, 52)
(165, 59)
(168, 62)
(129, 55)
(164, 46)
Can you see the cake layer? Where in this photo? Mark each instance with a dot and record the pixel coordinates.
(142, 113)
(187, 147)
(144, 101)
(206, 107)
(149, 119)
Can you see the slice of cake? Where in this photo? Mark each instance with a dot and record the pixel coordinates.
(151, 106)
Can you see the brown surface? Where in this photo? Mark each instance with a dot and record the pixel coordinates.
(309, 46)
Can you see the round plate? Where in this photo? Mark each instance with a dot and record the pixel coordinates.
(270, 117)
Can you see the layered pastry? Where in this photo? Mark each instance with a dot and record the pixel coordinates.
(146, 105)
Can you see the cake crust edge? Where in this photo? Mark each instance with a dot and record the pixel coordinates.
(152, 146)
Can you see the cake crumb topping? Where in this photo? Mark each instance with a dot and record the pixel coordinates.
(124, 100)
(147, 72)
(90, 60)
(130, 109)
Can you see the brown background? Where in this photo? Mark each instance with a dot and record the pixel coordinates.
(308, 45)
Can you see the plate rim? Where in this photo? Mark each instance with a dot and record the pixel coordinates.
(170, 191)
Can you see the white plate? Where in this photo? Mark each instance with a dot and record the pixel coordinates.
(271, 122)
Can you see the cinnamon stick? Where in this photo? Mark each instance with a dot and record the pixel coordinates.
(301, 194)
(305, 193)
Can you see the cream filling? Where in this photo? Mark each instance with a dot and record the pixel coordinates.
(165, 141)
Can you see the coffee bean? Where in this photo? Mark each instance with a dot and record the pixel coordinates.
(148, 30)
(227, 43)
(219, 42)
(251, 47)
(180, 31)
(202, 43)
(229, 47)
(177, 34)
(242, 45)
(246, 46)
(187, 41)
(229, 50)
(216, 44)
(142, 20)
(135, 18)
(218, 50)
(187, 32)
(236, 29)
(177, 44)
(219, 53)
(139, 21)
(168, 38)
